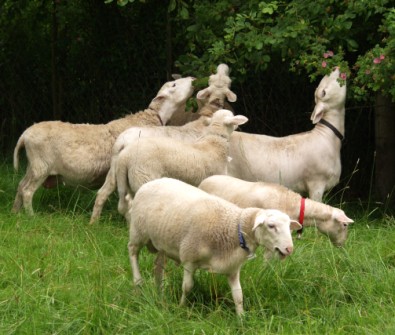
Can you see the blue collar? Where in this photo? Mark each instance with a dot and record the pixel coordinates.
(242, 241)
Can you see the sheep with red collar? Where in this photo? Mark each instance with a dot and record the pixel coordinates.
(150, 158)
(199, 230)
(329, 220)
(212, 99)
(80, 154)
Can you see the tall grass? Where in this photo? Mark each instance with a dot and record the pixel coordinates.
(60, 275)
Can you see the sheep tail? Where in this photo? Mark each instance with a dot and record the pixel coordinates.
(20, 144)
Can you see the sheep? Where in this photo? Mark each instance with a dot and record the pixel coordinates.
(218, 89)
(80, 154)
(307, 162)
(214, 97)
(330, 221)
(150, 158)
(199, 230)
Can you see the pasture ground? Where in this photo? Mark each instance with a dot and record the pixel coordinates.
(60, 275)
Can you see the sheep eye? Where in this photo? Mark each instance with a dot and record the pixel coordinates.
(174, 85)
(323, 93)
(271, 226)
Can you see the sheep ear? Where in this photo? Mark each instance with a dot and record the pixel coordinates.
(295, 225)
(232, 97)
(318, 113)
(159, 98)
(342, 217)
(203, 94)
(259, 220)
(237, 120)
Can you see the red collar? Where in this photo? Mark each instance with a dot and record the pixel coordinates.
(301, 214)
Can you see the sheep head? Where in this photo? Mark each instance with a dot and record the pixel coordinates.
(336, 227)
(272, 229)
(223, 122)
(329, 96)
(219, 88)
(175, 92)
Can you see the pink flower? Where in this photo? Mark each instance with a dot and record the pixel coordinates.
(343, 75)
(377, 60)
(328, 54)
(323, 64)
(382, 57)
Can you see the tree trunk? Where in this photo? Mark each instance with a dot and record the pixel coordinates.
(385, 149)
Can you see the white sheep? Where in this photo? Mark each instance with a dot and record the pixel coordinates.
(80, 154)
(146, 159)
(330, 221)
(200, 230)
(307, 162)
(213, 98)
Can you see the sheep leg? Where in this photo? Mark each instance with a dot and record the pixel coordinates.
(26, 189)
(133, 258)
(160, 263)
(108, 187)
(237, 292)
(123, 186)
(187, 282)
(122, 203)
(18, 202)
(316, 191)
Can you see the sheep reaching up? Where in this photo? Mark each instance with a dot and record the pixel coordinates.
(330, 221)
(219, 87)
(213, 98)
(200, 230)
(150, 158)
(308, 162)
(80, 154)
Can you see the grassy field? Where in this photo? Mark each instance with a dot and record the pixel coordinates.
(60, 275)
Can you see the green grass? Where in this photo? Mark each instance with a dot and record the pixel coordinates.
(60, 275)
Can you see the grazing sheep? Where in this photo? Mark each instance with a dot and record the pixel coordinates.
(308, 162)
(150, 158)
(80, 154)
(214, 98)
(330, 221)
(200, 230)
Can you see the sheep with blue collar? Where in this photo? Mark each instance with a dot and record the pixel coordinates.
(199, 230)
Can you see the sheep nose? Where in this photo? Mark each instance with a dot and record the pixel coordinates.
(289, 250)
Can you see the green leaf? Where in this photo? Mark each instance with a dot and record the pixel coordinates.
(352, 44)
(172, 5)
(184, 13)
